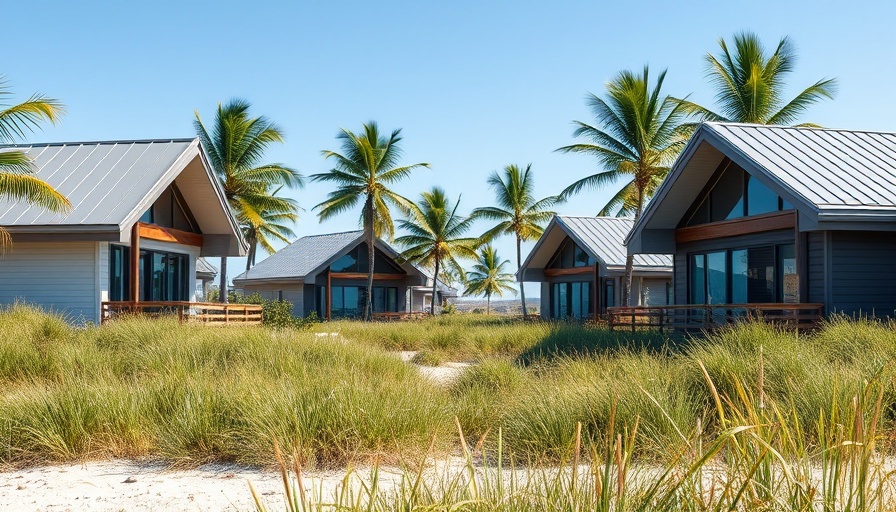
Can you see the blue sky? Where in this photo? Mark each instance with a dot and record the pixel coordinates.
(474, 85)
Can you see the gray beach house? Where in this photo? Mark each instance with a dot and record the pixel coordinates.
(766, 214)
(144, 212)
(580, 263)
(327, 274)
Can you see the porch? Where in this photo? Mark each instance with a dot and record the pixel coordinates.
(201, 312)
(707, 317)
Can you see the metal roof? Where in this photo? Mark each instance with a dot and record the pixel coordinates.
(104, 181)
(206, 268)
(603, 238)
(301, 257)
(835, 179)
(830, 169)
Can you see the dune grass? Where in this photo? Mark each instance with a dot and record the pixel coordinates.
(190, 394)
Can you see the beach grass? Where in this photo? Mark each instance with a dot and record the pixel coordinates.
(190, 394)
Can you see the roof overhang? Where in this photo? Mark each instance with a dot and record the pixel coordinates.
(411, 270)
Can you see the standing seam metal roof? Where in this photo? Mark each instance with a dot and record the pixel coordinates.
(104, 181)
(301, 257)
(604, 237)
(828, 168)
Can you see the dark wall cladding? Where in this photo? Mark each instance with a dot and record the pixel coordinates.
(863, 272)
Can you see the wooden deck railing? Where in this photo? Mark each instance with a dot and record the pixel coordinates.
(712, 316)
(205, 312)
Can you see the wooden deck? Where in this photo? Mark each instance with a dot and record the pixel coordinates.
(203, 312)
(706, 317)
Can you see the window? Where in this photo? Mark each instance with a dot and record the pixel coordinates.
(356, 261)
(163, 276)
(609, 293)
(170, 211)
(570, 255)
(753, 275)
(733, 195)
(571, 300)
(350, 301)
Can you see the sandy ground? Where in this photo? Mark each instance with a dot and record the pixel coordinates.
(443, 374)
(136, 486)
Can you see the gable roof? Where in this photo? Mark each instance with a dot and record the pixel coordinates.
(601, 237)
(308, 255)
(205, 269)
(111, 183)
(827, 175)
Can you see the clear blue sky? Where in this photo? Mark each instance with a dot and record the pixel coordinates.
(474, 85)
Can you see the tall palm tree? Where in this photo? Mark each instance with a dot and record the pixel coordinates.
(518, 213)
(638, 135)
(488, 277)
(363, 172)
(235, 147)
(436, 236)
(268, 226)
(17, 180)
(750, 84)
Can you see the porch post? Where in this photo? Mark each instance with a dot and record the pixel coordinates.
(135, 262)
(329, 294)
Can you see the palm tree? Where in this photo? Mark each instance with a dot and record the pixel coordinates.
(488, 277)
(638, 136)
(518, 212)
(268, 226)
(436, 236)
(363, 171)
(749, 84)
(17, 180)
(235, 147)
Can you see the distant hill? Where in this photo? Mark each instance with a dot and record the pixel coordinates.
(499, 306)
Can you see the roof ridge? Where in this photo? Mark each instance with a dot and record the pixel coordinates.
(330, 234)
(98, 142)
(808, 128)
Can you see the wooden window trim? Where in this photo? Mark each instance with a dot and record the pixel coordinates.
(162, 234)
(364, 275)
(774, 221)
(552, 272)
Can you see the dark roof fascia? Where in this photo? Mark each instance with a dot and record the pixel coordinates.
(96, 142)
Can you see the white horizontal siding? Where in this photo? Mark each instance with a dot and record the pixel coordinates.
(291, 292)
(56, 276)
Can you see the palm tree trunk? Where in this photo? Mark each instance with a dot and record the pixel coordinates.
(435, 284)
(250, 258)
(368, 226)
(630, 259)
(222, 294)
(519, 265)
(488, 304)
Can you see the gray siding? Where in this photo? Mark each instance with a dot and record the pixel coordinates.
(815, 267)
(545, 300)
(292, 292)
(681, 278)
(863, 273)
(656, 291)
(56, 276)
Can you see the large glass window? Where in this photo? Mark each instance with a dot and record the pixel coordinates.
(753, 275)
(170, 211)
(571, 300)
(349, 301)
(163, 276)
(609, 293)
(734, 195)
(356, 261)
(570, 255)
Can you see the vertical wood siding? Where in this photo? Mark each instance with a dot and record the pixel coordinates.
(815, 267)
(61, 277)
